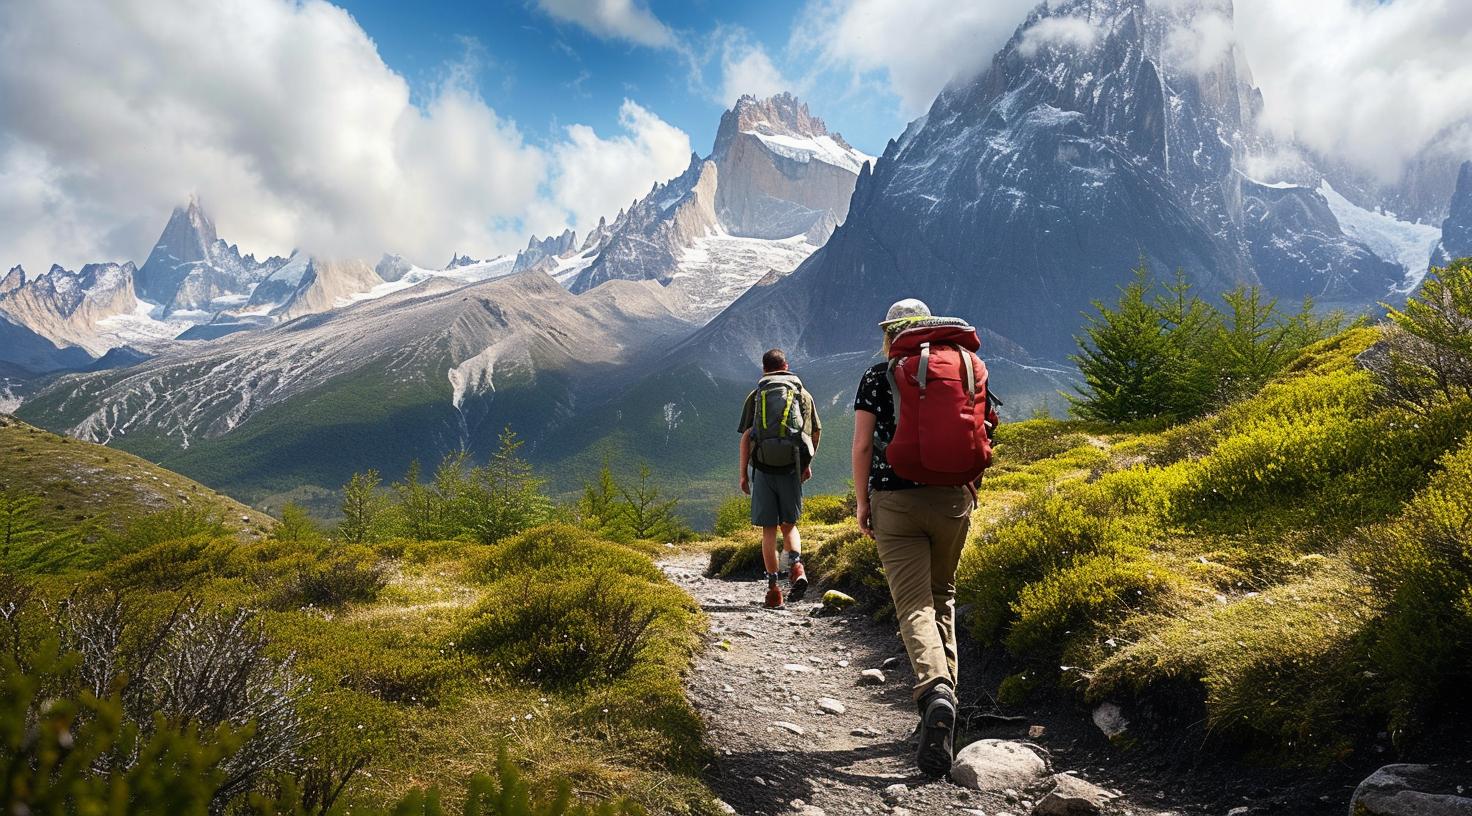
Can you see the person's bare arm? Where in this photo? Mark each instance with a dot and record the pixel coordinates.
(863, 452)
(745, 458)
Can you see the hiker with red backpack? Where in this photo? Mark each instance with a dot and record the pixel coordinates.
(779, 431)
(922, 424)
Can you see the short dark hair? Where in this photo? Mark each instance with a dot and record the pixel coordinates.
(774, 360)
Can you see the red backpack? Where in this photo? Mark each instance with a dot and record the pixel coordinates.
(943, 417)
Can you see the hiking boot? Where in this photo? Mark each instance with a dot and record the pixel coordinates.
(799, 582)
(937, 731)
(774, 597)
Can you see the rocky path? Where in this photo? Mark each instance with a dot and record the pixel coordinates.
(798, 728)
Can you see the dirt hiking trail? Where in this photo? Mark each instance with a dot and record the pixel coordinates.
(795, 727)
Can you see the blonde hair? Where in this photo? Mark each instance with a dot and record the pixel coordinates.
(890, 333)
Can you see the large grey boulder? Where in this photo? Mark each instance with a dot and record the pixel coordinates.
(997, 765)
(1415, 790)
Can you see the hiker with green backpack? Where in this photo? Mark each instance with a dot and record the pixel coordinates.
(779, 438)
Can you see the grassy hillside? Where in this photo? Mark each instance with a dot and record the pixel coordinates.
(85, 486)
(393, 668)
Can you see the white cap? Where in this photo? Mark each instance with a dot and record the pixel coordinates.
(905, 310)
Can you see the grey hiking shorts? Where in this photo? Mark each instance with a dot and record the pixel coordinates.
(776, 498)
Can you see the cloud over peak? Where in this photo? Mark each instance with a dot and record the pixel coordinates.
(283, 116)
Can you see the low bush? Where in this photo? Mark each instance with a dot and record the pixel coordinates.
(338, 576)
(172, 564)
(849, 559)
(1093, 594)
(561, 632)
(733, 516)
(1283, 669)
(1045, 536)
(569, 550)
(825, 509)
(1420, 565)
(736, 556)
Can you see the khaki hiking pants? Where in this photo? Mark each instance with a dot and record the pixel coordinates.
(920, 533)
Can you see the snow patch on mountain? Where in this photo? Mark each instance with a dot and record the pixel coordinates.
(716, 268)
(1404, 243)
(143, 327)
(814, 148)
(473, 272)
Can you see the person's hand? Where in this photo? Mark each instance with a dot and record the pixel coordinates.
(865, 518)
(807, 473)
(745, 484)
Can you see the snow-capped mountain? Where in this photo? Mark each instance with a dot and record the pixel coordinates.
(773, 188)
(1029, 191)
(94, 309)
(191, 269)
(414, 374)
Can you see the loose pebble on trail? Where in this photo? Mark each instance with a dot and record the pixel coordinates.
(794, 725)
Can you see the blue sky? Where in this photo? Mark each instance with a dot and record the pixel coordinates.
(349, 128)
(547, 73)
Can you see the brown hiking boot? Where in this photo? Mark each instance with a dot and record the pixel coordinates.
(799, 579)
(774, 597)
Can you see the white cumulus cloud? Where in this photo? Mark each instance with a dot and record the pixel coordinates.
(1372, 83)
(917, 46)
(625, 20)
(282, 117)
(747, 68)
(1065, 31)
(597, 176)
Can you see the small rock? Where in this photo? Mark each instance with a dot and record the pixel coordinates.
(1422, 790)
(843, 664)
(863, 732)
(1036, 732)
(997, 766)
(1110, 719)
(894, 792)
(795, 668)
(787, 726)
(871, 677)
(1072, 796)
(725, 808)
(835, 601)
(726, 687)
(1239, 811)
(831, 706)
(890, 663)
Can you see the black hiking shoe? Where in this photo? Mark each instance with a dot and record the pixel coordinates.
(937, 731)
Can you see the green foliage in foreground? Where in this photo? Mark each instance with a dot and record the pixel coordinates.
(52, 748)
(1301, 559)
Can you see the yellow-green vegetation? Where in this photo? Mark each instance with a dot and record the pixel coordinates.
(400, 666)
(1299, 562)
(90, 490)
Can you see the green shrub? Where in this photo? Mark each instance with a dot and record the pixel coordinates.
(172, 564)
(1090, 595)
(1046, 535)
(1421, 566)
(849, 559)
(733, 516)
(1283, 669)
(825, 509)
(562, 631)
(565, 549)
(338, 576)
(736, 556)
